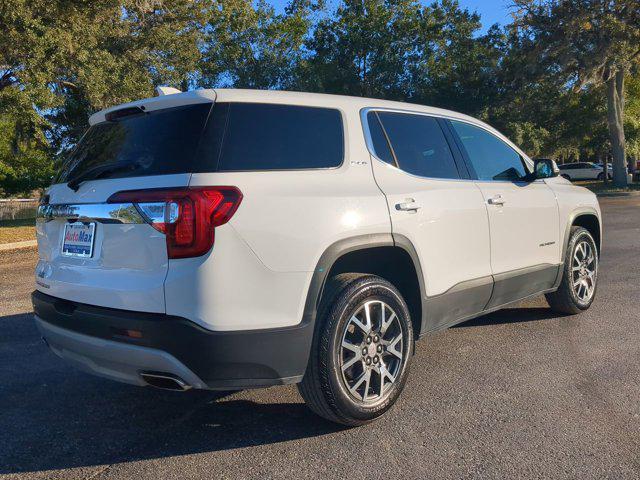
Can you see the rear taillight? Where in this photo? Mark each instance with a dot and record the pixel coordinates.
(187, 216)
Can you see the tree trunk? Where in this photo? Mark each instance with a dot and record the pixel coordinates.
(615, 119)
(605, 164)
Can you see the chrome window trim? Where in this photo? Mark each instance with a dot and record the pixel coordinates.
(369, 142)
(371, 150)
(122, 213)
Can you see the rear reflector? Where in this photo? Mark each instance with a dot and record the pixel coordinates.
(125, 332)
(187, 216)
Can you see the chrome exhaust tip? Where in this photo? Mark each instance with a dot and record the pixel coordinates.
(165, 381)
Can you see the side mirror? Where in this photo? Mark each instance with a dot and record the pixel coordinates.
(545, 168)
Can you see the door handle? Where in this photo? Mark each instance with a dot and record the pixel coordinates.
(409, 205)
(496, 200)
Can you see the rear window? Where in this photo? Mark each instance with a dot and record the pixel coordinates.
(197, 138)
(261, 136)
(144, 143)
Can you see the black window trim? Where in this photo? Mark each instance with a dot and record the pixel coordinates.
(386, 138)
(311, 169)
(458, 159)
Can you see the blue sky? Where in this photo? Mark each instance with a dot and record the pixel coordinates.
(491, 11)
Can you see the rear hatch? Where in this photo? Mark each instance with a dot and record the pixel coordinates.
(108, 249)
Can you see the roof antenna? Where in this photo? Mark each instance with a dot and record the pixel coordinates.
(166, 91)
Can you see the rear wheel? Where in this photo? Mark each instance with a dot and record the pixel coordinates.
(601, 176)
(361, 351)
(580, 276)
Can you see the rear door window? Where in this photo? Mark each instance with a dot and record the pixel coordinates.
(419, 145)
(261, 136)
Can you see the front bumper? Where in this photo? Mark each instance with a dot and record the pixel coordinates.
(93, 338)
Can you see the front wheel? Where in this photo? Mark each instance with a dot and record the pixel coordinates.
(580, 275)
(361, 350)
(601, 176)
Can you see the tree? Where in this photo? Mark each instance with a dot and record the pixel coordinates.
(589, 43)
(632, 120)
(361, 49)
(456, 68)
(62, 60)
(403, 50)
(248, 45)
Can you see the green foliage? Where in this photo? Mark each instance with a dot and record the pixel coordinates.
(588, 40)
(632, 117)
(25, 163)
(399, 49)
(61, 60)
(250, 46)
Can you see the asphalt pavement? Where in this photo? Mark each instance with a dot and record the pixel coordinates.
(520, 393)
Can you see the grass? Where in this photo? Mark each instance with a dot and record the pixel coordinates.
(600, 187)
(17, 230)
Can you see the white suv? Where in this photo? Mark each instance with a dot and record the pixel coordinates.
(584, 171)
(229, 239)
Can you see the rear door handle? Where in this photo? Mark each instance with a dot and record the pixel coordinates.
(496, 200)
(409, 205)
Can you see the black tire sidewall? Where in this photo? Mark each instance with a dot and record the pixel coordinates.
(347, 303)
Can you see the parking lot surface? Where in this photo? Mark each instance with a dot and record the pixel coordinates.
(518, 393)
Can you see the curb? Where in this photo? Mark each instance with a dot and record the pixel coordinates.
(618, 194)
(5, 247)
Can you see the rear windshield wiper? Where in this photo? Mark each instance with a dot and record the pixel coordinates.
(96, 172)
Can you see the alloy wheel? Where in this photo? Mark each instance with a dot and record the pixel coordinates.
(372, 352)
(584, 270)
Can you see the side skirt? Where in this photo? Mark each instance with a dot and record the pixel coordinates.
(478, 297)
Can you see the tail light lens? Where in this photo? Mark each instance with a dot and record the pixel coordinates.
(187, 216)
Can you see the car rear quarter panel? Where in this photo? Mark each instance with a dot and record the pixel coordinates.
(260, 268)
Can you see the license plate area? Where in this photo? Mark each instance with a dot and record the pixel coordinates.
(78, 239)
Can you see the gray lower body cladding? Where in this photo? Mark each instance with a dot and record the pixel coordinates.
(483, 295)
(93, 338)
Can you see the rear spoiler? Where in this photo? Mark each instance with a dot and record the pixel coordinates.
(171, 98)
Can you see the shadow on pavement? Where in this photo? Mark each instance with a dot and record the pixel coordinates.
(53, 417)
(511, 315)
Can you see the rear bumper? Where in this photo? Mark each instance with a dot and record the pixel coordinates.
(93, 338)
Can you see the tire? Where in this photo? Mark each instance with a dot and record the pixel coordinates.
(600, 176)
(572, 299)
(347, 398)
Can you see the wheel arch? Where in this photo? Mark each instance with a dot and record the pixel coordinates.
(391, 257)
(587, 218)
(591, 222)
